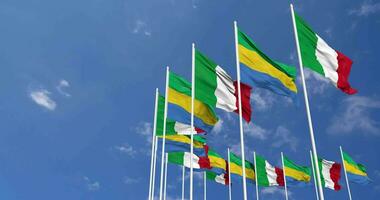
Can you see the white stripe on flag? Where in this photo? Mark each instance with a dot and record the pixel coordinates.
(328, 58)
(225, 91)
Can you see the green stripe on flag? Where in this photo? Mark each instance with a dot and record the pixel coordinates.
(261, 173)
(176, 158)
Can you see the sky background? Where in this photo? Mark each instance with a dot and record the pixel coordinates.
(78, 78)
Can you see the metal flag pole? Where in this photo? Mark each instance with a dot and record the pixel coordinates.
(315, 180)
(183, 182)
(345, 173)
(192, 117)
(164, 131)
(257, 183)
(154, 166)
(229, 175)
(204, 186)
(240, 111)
(314, 148)
(166, 174)
(283, 169)
(153, 145)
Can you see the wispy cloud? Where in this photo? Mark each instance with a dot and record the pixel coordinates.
(283, 137)
(42, 98)
(140, 27)
(91, 185)
(130, 180)
(61, 86)
(145, 129)
(274, 190)
(366, 8)
(262, 99)
(355, 114)
(255, 131)
(126, 149)
(218, 127)
(316, 83)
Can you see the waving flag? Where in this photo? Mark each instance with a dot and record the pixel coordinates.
(261, 71)
(330, 174)
(356, 172)
(267, 175)
(296, 175)
(179, 98)
(236, 167)
(318, 56)
(215, 87)
(184, 159)
(219, 178)
(218, 163)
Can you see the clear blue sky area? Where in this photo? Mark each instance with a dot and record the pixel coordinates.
(77, 83)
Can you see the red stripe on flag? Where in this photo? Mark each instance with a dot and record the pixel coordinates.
(280, 176)
(344, 68)
(335, 175)
(204, 162)
(226, 175)
(198, 130)
(245, 100)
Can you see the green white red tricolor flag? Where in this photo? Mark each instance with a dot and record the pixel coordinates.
(318, 56)
(184, 159)
(330, 174)
(267, 175)
(219, 178)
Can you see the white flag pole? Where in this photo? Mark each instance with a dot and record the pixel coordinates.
(240, 111)
(154, 166)
(153, 145)
(229, 175)
(345, 173)
(166, 174)
(283, 169)
(315, 180)
(183, 182)
(257, 183)
(192, 117)
(164, 131)
(204, 186)
(314, 148)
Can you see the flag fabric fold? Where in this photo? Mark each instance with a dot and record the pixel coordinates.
(267, 175)
(236, 167)
(296, 175)
(318, 56)
(215, 87)
(261, 71)
(184, 159)
(219, 178)
(356, 172)
(330, 174)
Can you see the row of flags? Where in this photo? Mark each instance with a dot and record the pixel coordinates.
(215, 89)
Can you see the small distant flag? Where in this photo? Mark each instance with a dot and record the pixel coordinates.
(318, 56)
(215, 87)
(183, 159)
(219, 178)
(330, 174)
(356, 172)
(267, 175)
(296, 175)
(218, 163)
(261, 71)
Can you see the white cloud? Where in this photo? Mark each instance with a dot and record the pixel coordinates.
(218, 127)
(262, 99)
(130, 180)
(316, 83)
(283, 137)
(60, 87)
(356, 115)
(91, 185)
(41, 97)
(255, 131)
(141, 27)
(126, 149)
(365, 9)
(274, 190)
(145, 129)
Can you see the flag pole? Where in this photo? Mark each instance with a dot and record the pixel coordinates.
(257, 183)
(166, 174)
(314, 148)
(315, 180)
(192, 117)
(204, 186)
(240, 111)
(345, 173)
(164, 132)
(183, 182)
(154, 166)
(153, 145)
(283, 170)
(229, 175)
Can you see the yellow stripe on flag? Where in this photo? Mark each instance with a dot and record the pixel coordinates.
(236, 169)
(254, 61)
(217, 162)
(183, 139)
(298, 175)
(201, 110)
(353, 170)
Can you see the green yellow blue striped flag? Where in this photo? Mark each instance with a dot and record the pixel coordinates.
(296, 175)
(356, 172)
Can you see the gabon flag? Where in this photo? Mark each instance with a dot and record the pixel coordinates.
(318, 56)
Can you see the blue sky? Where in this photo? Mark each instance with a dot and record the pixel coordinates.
(77, 88)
